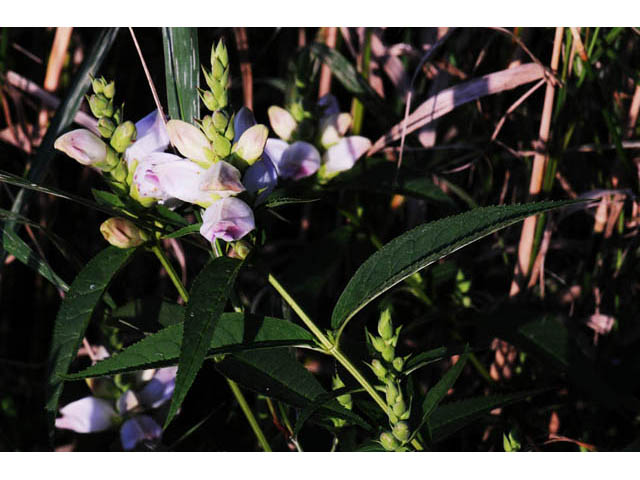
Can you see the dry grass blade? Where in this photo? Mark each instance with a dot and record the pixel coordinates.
(445, 101)
(324, 87)
(242, 42)
(154, 92)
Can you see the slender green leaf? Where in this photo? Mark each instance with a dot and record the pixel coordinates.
(276, 374)
(422, 246)
(181, 232)
(436, 394)
(423, 359)
(280, 198)
(74, 315)
(209, 294)
(107, 198)
(233, 333)
(449, 418)
(182, 72)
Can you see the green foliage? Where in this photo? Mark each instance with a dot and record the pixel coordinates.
(182, 72)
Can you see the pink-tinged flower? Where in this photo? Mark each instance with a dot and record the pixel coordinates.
(87, 415)
(228, 219)
(163, 176)
(151, 137)
(83, 146)
(220, 181)
(190, 141)
(343, 155)
(282, 122)
(261, 178)
(141, 428)
(242, 121)
(297, 161)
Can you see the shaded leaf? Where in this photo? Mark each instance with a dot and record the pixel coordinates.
(209, 294)
(74, 315)
(234, 332)
(422, 246)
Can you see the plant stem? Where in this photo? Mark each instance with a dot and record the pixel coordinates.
(173, 275)
(249, 414)
(332, 348)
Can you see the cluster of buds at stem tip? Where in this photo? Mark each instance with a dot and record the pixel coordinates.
(217, 79)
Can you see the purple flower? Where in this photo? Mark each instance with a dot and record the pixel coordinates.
(229, 219)
(295, 161)
(151, 137)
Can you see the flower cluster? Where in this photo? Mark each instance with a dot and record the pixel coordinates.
(132, 411)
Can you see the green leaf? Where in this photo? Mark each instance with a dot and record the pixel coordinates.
(17, 247)
(188, 230)
(64, 115)
(422, 246)
(322, 401)
(353, 81)
(233, 333)
(209, 294)
(280, 197)
(436, 394)
(276, 374)
(74, 315)
(107, 198)
(182, 72)
(423, 359)
(450, 418)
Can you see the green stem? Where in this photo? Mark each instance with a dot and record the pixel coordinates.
(173, 275)
(332, 348)
(249, 414)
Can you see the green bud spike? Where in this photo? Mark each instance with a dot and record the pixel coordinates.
(217, 69)
(388, 353)
(99, 105)
(400, 407)
(208, 77)
(98, 85)
(401, 431)
(209, 100)
(230, 133)
(221, 146)
(109, 90)
(206, 125)
(106, 127)
(391, 392)
(220, 93)
(220, 121)
(221, 54)
(398, 363)
(120, 172)
(378, 343)
(388, 441)
(123, 136)
(385, 327)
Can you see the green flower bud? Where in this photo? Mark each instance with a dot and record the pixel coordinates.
(378, 369)
(119, 172)
(122, 233)
(220, 121)
(251, 143)
(123, 136)
(385, 327)
(398, 363)
(240, 250)
(377, 343)
(391, 392)
(220, 93)
(511, 442)
(206, 124)
(209, 100)
(106, 127)
(388, 353)
(217, 69)
(220, 53)
(221, 146)
(98, 85)
(110, 90)
(100, 106)
(399, 407)
(401, 431)
(388, 441)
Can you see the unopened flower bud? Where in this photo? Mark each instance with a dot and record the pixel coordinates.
(221, 146)
(385, 327)
(240, 250)
(378, 369)
(220, 53)
(110, 90)
(388, 441)
(401, 431)
(208, 128)
(251, 144)
(100, 106)
(333, 128)
(220, 121)
(106, 127)
(399, 407)
(122, 233)
(209, 100)
(388, 353)
(378, 344)
(189, 141)
(391, 392)
(83, 146)
(123, 136)
(98, 85)
(282, 122)
(398, 364)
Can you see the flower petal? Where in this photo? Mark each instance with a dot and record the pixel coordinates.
(160, 388)
(89, 414)
(251, 143)
(333, 127)
(138, 429)
(242, 121)
(229, 219)
(189, 141)
(261, 178)
(222, 180)
(127, 402)
(282, 122)
(298, 161)
(274, 149)
(345, 153)
(151, 137)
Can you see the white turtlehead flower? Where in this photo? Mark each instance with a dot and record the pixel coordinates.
(83, 146)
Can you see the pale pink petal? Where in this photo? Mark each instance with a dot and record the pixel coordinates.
(89, 414)
(345, 153)
(298, 161)
(151, 136)
(228, 219)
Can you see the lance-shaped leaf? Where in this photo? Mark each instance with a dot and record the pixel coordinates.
(182, 72)
(422, 246)
(232, 333)
(74, 315)
(209, 295)
(446, 100)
